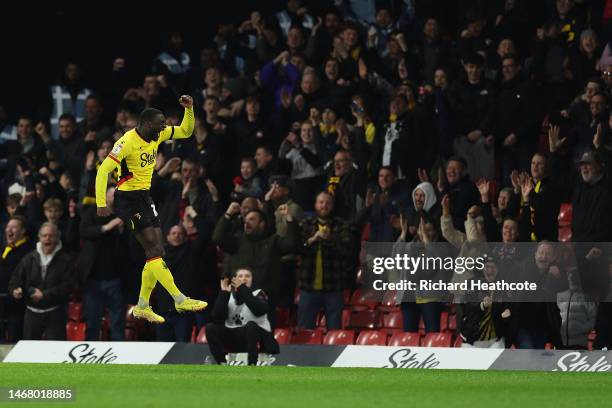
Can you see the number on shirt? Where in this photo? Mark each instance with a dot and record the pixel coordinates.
(154, 210)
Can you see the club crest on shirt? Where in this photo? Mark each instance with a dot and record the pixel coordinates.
(117, 149)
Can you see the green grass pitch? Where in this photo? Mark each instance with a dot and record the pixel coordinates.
(178, 386)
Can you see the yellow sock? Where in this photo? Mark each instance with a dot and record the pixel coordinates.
(164, 276)
(146, 286)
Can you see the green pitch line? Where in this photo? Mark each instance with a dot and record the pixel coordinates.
(178, 386)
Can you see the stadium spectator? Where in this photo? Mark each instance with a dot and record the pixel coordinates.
(240, 320)
(66, 98)
(183, 256)
(423, 303)
(306, 157)
(461, 190)
(255, 249)
(346, 184)
(17, 245)
(383, 206)
(425, 205)
(539, 322)
(104, 241)
(540, 203)
(280, 194)
(173, 63)
(191, 189)
(93, 127)
(486, 317)
(471, 102)
(514, 120)
(578, 313)
(327, 242)
(69, 148)
(44, 278)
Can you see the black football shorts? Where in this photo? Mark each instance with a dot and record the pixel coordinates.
(136, 209)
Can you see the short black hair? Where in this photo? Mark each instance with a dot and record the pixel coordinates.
(148, 114)
(474, 58)
(67, 116)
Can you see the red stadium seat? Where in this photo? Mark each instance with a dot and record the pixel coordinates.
(75, 331)
(368, 298)
(75, 312)
(388, 302)
(307, 337)
(458, 342)
(565, 215)
(130, 334)
(365, 319)
(437, 340)
(393, 320)
(452, 322)
(390, 332)
(405, 339)
(371, 338)
(444, 321)
(565, 234)
(339, 337)
(201, 338)
(282, 336)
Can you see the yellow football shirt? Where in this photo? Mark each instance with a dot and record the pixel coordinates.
(135, 158)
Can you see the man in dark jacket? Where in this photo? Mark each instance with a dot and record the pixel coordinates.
(100, 268)
(592, 223)
(177, 195)
(541, 200)
(347, 185)
(18, 245)
(44, 278)
(184, 257)
(461, 190)
(515, 120)
(254, 248)
(538, 319)
(471, 103)
(69, 149)
(239, 320)
(323, 272)
(383, 206)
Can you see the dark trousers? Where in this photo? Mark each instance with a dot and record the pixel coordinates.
(531, 338)
(235, 340)
(11, 318)
(177, 327)
(332, 304)
(52, 324)
(97, 295)
(412, 313)
(603, 326)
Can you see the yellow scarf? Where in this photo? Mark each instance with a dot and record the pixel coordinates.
(10, 247)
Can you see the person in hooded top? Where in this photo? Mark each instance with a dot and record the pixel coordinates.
(425, 204)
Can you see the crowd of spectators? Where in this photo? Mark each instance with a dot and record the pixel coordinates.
(311, 127)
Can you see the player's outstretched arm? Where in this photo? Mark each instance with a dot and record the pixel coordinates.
(108, 165)
(185, 130)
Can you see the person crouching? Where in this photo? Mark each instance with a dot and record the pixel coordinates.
(240, 321)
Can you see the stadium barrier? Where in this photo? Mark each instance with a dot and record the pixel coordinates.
(314, 355)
